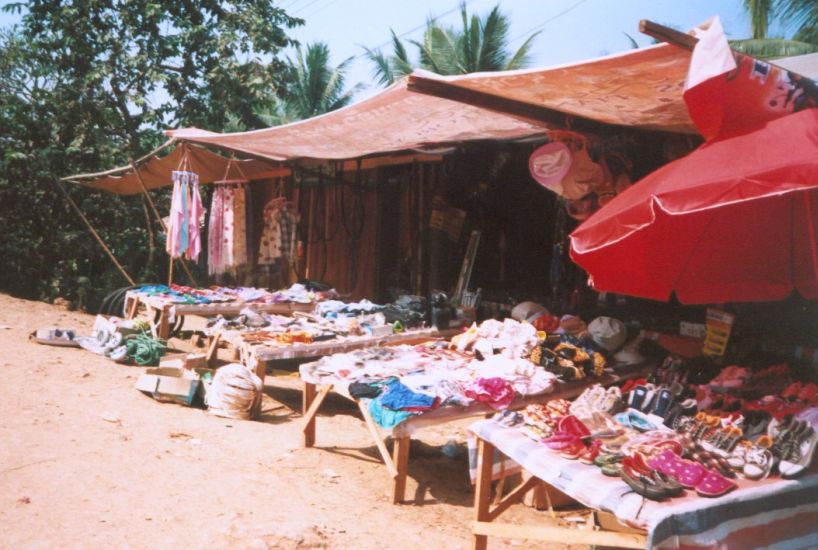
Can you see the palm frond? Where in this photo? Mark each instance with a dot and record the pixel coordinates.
(634, 44)
(494, 38)
(522, 57)
(382, 67)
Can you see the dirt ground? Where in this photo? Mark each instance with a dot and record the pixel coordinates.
(87, 461)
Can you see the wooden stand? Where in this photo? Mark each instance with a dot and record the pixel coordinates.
(484, 515)
(398, 463)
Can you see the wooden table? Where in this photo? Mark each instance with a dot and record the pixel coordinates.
(168, 309)
(397, 464)
(254, 356)
(772, 512)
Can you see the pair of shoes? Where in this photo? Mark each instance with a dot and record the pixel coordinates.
(632, 418)
(722, 441)
(55, 337)
(731, 377)
(758, 462)
(795, 452)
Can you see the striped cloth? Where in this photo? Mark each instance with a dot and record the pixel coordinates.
(772, 513)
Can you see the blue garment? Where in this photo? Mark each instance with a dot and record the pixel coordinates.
(184, 230)
(386, 418)
(397, 396)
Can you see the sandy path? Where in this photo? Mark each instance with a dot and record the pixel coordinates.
(167, 476)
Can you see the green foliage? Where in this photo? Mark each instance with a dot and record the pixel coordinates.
(480, 45)
(88, 85)
(772, 48)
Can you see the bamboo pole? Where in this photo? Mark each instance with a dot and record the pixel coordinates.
(161, 222)
(119, 170)
(95, 234)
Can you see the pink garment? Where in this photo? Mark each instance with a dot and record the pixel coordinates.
(497, 392)
(197, 212)
(215, 232)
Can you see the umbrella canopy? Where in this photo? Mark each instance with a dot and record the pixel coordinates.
(734, 221)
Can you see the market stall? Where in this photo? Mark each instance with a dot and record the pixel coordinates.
(165, 304)
(333, 327)
(762, 513)
(402, 389)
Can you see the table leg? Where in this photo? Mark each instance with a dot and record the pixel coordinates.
(131, 307)
(164, 323)
(400, 458)
(307, 397)
(310, 403)
(213, 349)
(482, 492)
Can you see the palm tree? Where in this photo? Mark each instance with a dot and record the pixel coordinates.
(314, 87)
(802, 14)
(481, 45)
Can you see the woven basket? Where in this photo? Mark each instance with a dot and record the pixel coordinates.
(235, 393)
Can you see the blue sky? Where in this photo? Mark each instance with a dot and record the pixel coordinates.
(572, 30)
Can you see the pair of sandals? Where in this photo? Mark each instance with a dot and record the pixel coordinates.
(691, 475)
(55, 337)
(647, 481)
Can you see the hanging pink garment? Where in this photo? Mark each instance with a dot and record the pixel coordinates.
(195, 220)
(175, 220)
(215, 232)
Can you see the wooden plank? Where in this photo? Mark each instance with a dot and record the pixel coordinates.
(163, 330)
(513, 497)
(311, 403)
(213, 348)
(401, 460)
(376, 437)
(563, 535)
(131, 307)
(482, 490)
(151, 314)
(666, 34)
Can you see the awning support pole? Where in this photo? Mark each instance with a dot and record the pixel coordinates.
(95, 234)
(161, 222)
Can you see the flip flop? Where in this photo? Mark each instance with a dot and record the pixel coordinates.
(713, 484)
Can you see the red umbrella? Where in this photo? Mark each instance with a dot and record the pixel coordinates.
(734, 221)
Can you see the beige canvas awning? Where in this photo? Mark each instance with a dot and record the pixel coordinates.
(640, 88)
(155, 171)
(394, 120)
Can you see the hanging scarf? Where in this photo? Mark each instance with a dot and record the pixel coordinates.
(186, 214)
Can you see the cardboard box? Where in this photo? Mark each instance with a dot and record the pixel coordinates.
(190, 361)
(169, 384)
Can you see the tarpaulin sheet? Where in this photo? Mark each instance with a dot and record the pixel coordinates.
(641, 88)
(156, 172)
(393, 120)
